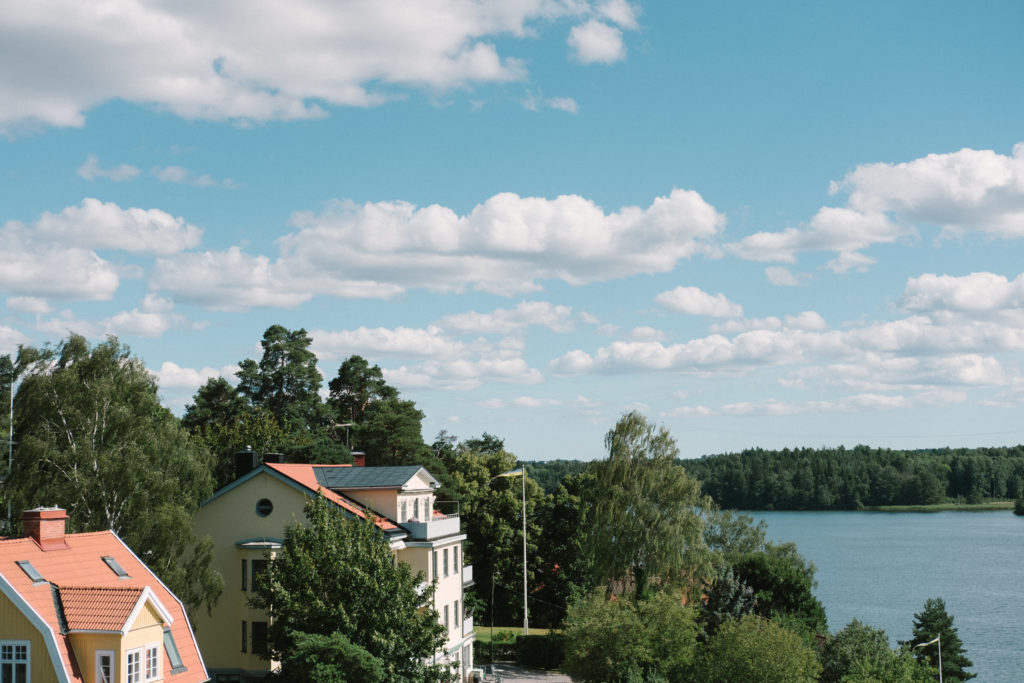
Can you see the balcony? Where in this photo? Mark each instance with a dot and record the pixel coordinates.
(467, 626)
(444, 521)
(467, 575)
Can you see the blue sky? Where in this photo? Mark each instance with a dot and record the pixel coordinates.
(761, 224)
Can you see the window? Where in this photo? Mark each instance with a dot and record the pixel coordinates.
(104, 666)
(259, 637)
(455, 560)
(115, 567)
(455, 611)
(14, 661)
(415, 508)
(245, 574)
(245, 634)
(264, 507)
(446, 616)
(134, 666)
(445, 563)
(152, 662)
(259, 568)
(30, 571)
(171, 648)
(402, 517)
(435, 564)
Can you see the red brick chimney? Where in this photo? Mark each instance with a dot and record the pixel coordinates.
(45, 526)
(360, 458)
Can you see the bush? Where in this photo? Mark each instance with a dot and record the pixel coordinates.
(1018, 506)
(542, 652)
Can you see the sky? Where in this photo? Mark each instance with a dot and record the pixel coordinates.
(766, 225)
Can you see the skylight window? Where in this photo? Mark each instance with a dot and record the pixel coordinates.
(171, 648)
(31, 571)
(115, 567)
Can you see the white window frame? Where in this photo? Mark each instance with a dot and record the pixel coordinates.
(133, 671)
(446, 627)
(444, 564)
(153, 648)
(455, 611)
(416, 508)
(13, 659)
(112, 656)
(402, 516)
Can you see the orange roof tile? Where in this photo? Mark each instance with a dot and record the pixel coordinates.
(304, 474)
(81, 564)
(97, 608)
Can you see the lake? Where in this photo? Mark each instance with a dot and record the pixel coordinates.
(881, 567)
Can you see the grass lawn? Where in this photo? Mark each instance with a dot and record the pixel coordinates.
(483, 633)
(944, 507)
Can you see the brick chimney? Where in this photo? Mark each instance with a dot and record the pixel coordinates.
(359, 458)
(45, 526)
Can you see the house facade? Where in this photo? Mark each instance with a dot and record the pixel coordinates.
(83, 608)
(247, 518)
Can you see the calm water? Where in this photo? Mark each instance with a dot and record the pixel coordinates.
(881, 567)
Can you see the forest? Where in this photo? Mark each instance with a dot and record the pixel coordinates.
(858, 478)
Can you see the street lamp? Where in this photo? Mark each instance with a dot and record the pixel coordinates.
(515, 473)
(937, 639)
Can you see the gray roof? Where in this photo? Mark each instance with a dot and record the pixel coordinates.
(368, 477)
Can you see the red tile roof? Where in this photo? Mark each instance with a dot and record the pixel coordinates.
(81, 564)
(98, 609)
(304, 474)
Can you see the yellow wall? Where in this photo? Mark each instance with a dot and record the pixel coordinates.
(15, 626)
(228, 519)
(85, 646)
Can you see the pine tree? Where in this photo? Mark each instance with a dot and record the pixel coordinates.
(934, 622)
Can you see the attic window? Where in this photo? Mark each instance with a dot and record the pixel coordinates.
(115, 567)
(30, 571)
(177, 666)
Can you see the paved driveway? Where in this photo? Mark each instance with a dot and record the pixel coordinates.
(511, 672)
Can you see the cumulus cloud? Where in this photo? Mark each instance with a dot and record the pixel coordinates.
(237, 60)
(506, 321)
(104, 225)
(969, 191)
(973, 293)
(90, 170)
(506, 245)
(400, 341)
(182, 176)
(596, 41)
(10, 338)
(151, 318)
(694, 301)
(535, 102)
(781, 276)
(463, 374)
(173, 376)
(29, 304)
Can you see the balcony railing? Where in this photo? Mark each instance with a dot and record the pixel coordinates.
(467, 626)
(467, 574)
(443, 521)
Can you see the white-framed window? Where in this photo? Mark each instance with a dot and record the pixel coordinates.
(133, 666)
(455, 611)
(152, 662)
(14, 661)
(415, 508)
(446, 617)
(105, 666)
(455, 559)
(445, 561)
(401, 517)
(435, 564)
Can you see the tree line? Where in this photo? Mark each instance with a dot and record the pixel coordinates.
(853, 479)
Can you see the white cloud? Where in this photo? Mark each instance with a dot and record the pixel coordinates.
(90, 170)
(182, 176)
(596, 41)
(505, 246)
(172, 376)
(254, 61)
(463, 375)
(781, 276)
(506, 321)
(974, 293)
(969, 191)
(694, 301)
(619, 12)
(566, 104)
(98, 225)
(10, 338)
(151, 318)
(29, 304)
(402, 341)
(645, 333)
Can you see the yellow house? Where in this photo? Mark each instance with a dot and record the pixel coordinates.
(82, 608)
(246, 520)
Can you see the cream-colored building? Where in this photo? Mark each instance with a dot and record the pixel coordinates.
(246, 520)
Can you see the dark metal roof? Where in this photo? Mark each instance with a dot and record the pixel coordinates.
(366, 477)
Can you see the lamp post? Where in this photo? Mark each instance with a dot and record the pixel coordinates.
(937, 639)
(516, 473)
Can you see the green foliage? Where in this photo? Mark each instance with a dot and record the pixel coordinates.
(551, 473)
(94, 439)
(623, 640)
(336, 577)
(727, 599)
(756, 650)
(731, 534)
(1018, 506)
(861, 654)
(542, 652)
(935, 621)
(331, 658)
(782, 582)
(645, 526)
